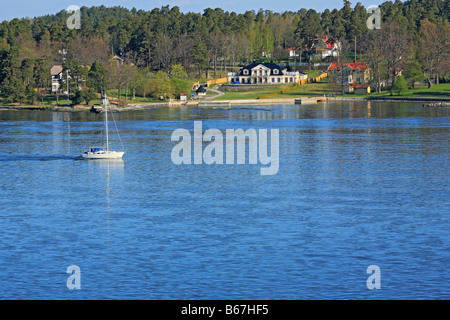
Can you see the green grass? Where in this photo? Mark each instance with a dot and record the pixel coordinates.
(437, 92)
(313, 73)
(311, 89)
(254, 93)
(307, 90)
(322, 87)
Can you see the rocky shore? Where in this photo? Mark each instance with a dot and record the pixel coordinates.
(427, 102)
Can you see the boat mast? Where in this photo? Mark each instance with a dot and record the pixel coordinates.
(106, 124)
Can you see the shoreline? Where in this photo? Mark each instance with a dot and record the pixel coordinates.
(148, 106)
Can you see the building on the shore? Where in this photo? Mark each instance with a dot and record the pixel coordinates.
(201, 91)
(352, 72)
(264, 73)
(56, 73)
(357, 88)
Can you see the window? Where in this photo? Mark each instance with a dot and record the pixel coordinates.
(275, 71)
(246, 72)
(279, 79)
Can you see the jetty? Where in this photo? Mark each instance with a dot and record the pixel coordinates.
(220, 104)
(309, 100)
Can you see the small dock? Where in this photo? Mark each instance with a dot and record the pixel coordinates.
(215, 104)
(309, 100)
(97, 109)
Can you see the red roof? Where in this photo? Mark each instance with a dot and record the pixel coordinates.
(358, 86)
(55, 70)
(362, 66)
(330, 42)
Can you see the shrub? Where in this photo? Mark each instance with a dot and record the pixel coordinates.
(400, 87)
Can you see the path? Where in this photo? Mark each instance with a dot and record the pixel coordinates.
(215, 90)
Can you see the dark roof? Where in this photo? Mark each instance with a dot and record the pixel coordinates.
(201, 89)
(272, 66)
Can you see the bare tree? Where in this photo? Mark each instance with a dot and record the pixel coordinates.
(163, 52)
(183, 51)
(396, 48)
(373, 50)
(87, 51)
(434, 49)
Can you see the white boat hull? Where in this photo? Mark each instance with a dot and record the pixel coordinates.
(103, 155)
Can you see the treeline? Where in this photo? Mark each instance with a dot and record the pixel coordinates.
(214, 42)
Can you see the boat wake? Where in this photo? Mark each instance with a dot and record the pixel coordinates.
(36, 157)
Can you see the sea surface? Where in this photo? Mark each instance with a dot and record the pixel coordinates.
(359, 184)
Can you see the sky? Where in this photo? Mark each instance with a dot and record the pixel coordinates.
(35, 8)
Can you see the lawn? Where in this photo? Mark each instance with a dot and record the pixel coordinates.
(253, 93)
(437, 91)
(321, 88)
(311, 89)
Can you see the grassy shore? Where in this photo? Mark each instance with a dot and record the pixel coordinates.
(440, 91)
(260, 92)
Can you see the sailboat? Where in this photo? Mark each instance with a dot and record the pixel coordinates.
(103, 152)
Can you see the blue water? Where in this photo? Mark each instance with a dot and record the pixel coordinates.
(359, 184)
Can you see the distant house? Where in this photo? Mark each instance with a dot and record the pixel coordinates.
(264, 73)
(264, 53)
(118, 60)
(201, 91)
(56, 73)
(183, 96)
(357, 88)
(293, 52)
(325, 47)
(353, 72)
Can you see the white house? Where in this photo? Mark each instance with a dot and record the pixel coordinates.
(264, 73)
(326, 47)
(56, 73)
(293, 52)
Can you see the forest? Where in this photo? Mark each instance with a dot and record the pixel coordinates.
(164, 50)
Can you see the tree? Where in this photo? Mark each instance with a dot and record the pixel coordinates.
(88, 95)
(26, 70)
(98, 77)
(162, 86)
(5, 67)
(396, 47)
(163, 53)
(400, 87)
(434, 49)
(201, 58)
(30, 94)
(179, 79)
(413, 72)
(178, 72)
(42, 75)
(373, 50)
(309, 30)
(74, 75)
(14, 90)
